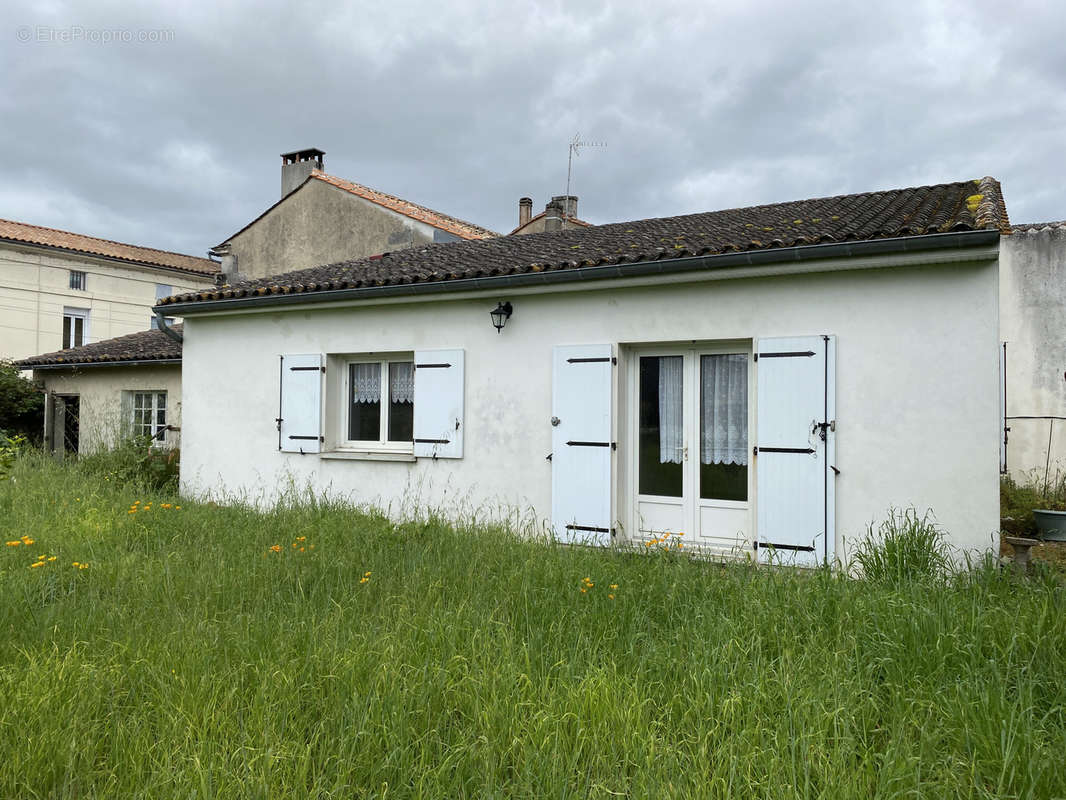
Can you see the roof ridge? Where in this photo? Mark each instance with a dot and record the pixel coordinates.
(354, 187)
(101, 239)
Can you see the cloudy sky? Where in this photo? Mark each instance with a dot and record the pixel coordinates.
(161, 124)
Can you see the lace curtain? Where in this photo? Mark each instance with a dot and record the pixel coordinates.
(724, 409)
(671, 423)
(366, 383)
(402, 382)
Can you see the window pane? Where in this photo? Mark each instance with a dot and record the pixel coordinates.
(401, 401)
(364, 407)
(79, 328)
(661, 438)
(66, 332)
(724, 427)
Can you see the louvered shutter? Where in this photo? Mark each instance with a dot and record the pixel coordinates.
(300, 416)
(439, 403)
(796, 441)
(582, 380)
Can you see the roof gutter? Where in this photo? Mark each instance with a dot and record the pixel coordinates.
(956, 240)
(161, 321)
(84, 364)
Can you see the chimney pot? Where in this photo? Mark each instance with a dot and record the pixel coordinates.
(567, 205)
(297, 166)
(525, 210)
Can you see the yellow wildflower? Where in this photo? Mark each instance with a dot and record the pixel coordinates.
(51, 558)
(614, 586)
(275, 548)
(649, 544)
(366, 574)
(363, 580)
(679, 545)
(301, 538)
(83, 566)
(301, 549)
(610, 597)
(14, 544)
(178, 508)
(75, 564)
(36, 564)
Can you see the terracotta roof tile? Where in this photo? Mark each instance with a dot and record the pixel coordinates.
(151, 345)
(1025, 227)
(452, 225)
(50, 237)
(962, 206)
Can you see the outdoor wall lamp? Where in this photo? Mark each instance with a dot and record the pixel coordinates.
(500, 315)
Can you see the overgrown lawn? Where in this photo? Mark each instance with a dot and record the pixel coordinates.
(189, 659)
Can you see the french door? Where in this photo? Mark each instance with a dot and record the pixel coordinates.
(691, 450)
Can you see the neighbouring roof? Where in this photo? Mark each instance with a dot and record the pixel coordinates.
(443, 222)
(569, 221)
(50, 237)
(151, 345)
(949, 207)
(1025, 227)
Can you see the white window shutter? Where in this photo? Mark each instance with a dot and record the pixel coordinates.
(439, 383)
(300, 414)
(796, 450)
(582, 382)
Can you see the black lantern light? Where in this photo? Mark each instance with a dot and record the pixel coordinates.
(500, 315)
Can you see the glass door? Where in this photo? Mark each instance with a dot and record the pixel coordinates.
(692, 448)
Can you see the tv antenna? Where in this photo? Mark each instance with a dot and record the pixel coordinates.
(575, 147)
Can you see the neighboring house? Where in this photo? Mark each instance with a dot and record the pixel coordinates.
(558, 215)
(60, 289)
(97, 393)
(322, 219)
(762, 380)
(1033, 316)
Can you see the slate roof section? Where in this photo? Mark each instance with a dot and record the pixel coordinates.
(444, 222)
(962, 206)
(151, 345)
(25, 233)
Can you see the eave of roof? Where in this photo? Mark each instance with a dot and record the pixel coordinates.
(23, 233)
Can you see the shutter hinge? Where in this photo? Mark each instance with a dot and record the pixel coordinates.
(755, 450)
(755, 357)
(614, 363)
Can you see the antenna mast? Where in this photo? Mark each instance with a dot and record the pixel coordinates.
(575, 145)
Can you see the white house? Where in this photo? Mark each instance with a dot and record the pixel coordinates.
(768, 379)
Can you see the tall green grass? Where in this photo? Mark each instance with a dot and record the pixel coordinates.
(190, 660)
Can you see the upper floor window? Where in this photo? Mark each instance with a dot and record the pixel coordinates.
(77, 280)
(163, 290)
(75, 327)
(154, 322)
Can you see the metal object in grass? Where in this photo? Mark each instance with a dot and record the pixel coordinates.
(1050, 524)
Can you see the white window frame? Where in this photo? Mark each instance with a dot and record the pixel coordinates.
(154, 426)
(75, 314)
(339, 364)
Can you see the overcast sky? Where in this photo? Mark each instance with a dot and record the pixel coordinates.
(173, 141)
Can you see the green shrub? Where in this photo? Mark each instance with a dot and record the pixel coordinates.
(21, 404)
(904, 547)
(135, 461)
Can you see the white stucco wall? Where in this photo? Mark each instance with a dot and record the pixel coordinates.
(917, 375)
(100, 389)
(1033, 309)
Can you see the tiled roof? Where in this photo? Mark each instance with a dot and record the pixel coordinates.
(452, 225)
(963, 206)
(152, 345)
(1036, 226)
(50, 237)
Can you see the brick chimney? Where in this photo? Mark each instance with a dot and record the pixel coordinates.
(525, 210)
(296, 167)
